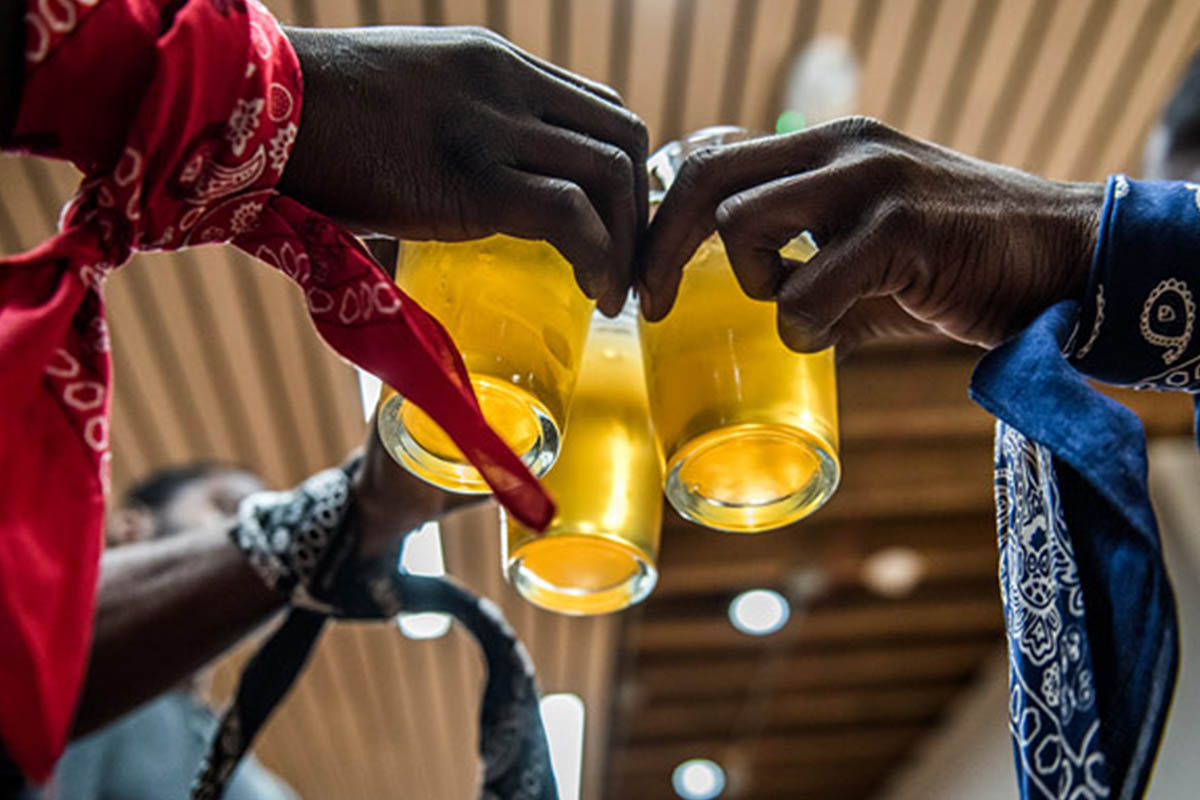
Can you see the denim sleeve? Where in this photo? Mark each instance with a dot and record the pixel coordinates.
(1137, 325)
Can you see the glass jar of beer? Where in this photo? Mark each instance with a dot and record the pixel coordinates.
(748, 427)
(517, 316)
(598, 555)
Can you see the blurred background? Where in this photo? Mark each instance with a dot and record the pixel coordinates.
(881, 670)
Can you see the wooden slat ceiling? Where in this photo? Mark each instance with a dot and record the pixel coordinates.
(214, 359)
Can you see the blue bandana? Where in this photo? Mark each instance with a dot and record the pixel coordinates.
(1092, 635)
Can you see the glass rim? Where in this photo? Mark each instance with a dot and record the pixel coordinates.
(663, 165)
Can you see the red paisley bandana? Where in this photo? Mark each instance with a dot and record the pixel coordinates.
(182, 116)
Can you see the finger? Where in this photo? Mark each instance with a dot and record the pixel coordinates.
(875, 318)
(533, 206)
(606, 174)
(604, 92)
(708, 177)
(818, 294)
(560, 103)
(757, 223)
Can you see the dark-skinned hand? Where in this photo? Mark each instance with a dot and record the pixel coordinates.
(455, 133)
(390, 501)
(914, 237)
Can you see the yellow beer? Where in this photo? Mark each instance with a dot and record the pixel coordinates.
(520, 322)
(599, 552)
(748, 427)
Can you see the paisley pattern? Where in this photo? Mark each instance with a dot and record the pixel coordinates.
(1169, 317)
(1052, 702)
(199, 114)
(167, 162)
(1089, 611)
(1154, 325)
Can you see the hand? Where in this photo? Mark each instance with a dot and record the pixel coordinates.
(391, 502)
(913, 236)
(455, 133)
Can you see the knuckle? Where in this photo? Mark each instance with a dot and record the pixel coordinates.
(800, 331)
(480, 33)
(475, 156)
(485, 55)
(879, 168)
(699, 166)
(618, 166)
(604, 91)
(638, 132)
(896, 215)
(865, 129)
(731, 215)
(568, 202)
(896, 166)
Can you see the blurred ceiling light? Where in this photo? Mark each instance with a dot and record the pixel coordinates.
(805, 584)
(893, 571)
(698, 779)
(368, 390)
(563, 716)
(822, 84)
(759, 612)
(426, 625)
(422, 555)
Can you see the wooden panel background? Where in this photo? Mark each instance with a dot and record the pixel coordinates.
(214, 358)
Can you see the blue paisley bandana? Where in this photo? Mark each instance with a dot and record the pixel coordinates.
(1090, 616)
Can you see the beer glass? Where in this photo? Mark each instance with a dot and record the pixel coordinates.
(748, 428)
(513, 309)
(598, 554)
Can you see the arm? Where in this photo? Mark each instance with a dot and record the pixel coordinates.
(168, 606)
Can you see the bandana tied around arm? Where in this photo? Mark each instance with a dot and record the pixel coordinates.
(304, 545)
(181, 116)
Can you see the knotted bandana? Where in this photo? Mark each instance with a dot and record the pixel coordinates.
(181, 116)
(304, 545)
(1092, 637)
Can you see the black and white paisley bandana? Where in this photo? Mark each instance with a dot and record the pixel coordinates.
(303, 544)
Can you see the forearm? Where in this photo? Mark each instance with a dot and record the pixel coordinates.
(165, 608)
(12, 62)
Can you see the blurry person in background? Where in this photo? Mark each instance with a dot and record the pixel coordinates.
(1061, 281)
(155, 751)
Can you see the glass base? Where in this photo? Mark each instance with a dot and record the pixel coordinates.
(419, 445)
(751, 478)
(581, 574)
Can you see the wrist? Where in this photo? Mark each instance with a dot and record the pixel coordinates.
(388, 506)
(1080, 212)
(310, 150)
(297, 540)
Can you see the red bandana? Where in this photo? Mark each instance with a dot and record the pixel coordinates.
(182, 116)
